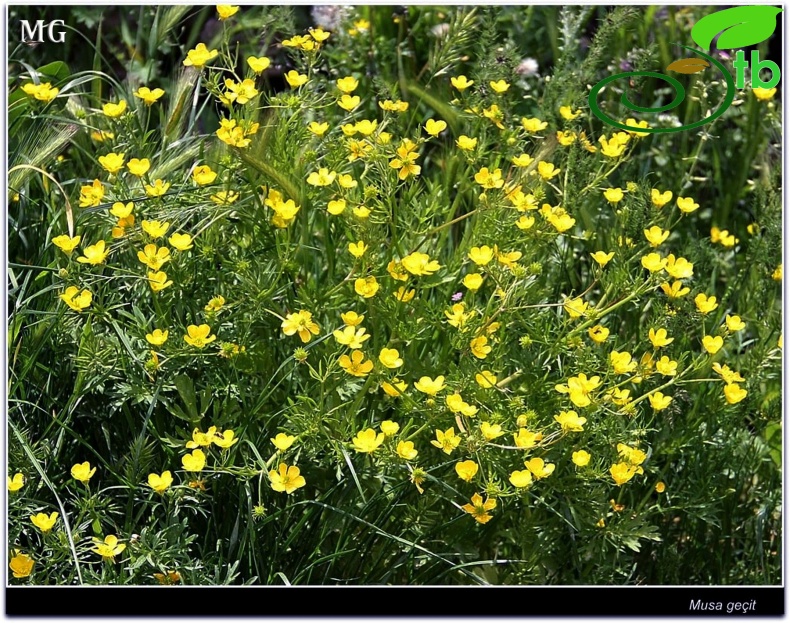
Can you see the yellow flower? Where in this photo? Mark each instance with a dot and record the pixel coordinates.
(75, 299)
(301, 322)
(613, 195)
(659, 401)
(283, 441)
(157, 338)
(728, 375)
(580, 458)
(473, 281)
(621, 362)
(521, 479)
(203, 175)
(446, 441)
(566, 138)
(456, 404)
(138, 166)
(611, 148)
(526, 439)
(215, 304)
(777, 274)
(348, 84)
(712, 344)
(705, 304)
(679, 268)
(430, 386)
(295, 79)
(336, 206)
(319, 34)
(481, 255)
(155, 229)
(42, 92)
(656, 236)
(570, 421)
(348, 102)
(258, 65)
(538, 468)
(91, 194)
(366, 287)
(199, 56)
(397, 106)
(160, 483)
(112, 162)
(154, 257)
(654, 262)
(159, 188)
(764, 95)
(357, 249)
(434, 128)
(499, 87)
(352, 319)
(225, 439)
(523, 160)
(149, 96)
(194, 462)
(575, 308)
(16, 483)
(202, 439)
(226, 10)
(666, 366)
(287, 479)
(181, 242)
(633, 123)
(568, 114)
(660, 199)
(660, 487)
(659, 338)
(687, 205)
(547, 171)
(356, 364)
(734, 393)
(158, 280)
(420, 264)
(199, 336)
(507, 259)
(94, 254)
(461, 83)
(466, 143)
(389, 428)
(478, 509)
(623, 472)
(44, 522)
(479, 346)
(533, 124)
(466, 470)
(394, 389)
(491, 431)
(66, 243)
(121, 210)
(405, 450)
(734, 323)
(598, 333)
(367, 440)
(21, 565)
(322, 177)
(486, 379)
(113, 110)
(109, 548)
(676, 290)
(390, 358)
(489, 179)
(602, 258)
(351, 336)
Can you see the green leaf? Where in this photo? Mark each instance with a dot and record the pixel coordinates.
(57, 70)
(186, 389)
(739, 27)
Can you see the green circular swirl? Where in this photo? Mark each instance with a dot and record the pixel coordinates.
(680, 95)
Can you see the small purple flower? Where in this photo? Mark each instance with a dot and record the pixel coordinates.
(625, 65)
(457, 296)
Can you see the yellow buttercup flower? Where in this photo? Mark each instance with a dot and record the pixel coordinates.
(613, 195)
(461, 83)
(66, 243)
(622, 362)
(687, 205)
(181, 242)
(570, 421)
(390, 358)
(705, 304)
(456, 404)
(602, 258)
(473, 281)
(112, 162)
(302, 323)
(155, 229)
(42, 92)
(466, 470)
(491, 431)
(389, 428)
(394, 389)
(94, 254)
(566, 138)
(226, 10)
(199, 336)
(660, 199)
(160, 482)
(430, 386)
(479, 509)
(486, 379)
(420, 264)
(656, 236)
(351, 337)
(734, 393)
(479, 346)
(499, 87)
(199, 56)
(21, 565)
(712, 344)
(659, 401)
(75, 299)
(154, 257)
(521, 479)
(539, 468)
(580, 458)
(194, 462)
(16, 483)
(286, 479)
(138, 166)
(734, 323)
(225, 439)
(108, 548)
(623, 472)
(157, 337)
(466, 143)
(659, 338)
(533, 124)
(446, 441)
(356, 365)
(547, 171)
(568, 114)
(113, 110)
(679, 268)
(157, 189)
(666, 366)
(348, 102)
(149, 96)
(434, 128)
(158, 280)
(366, 287)
(575, 308)
(526, 439)
(676, 290)
(654, 262)
(283, 441)
(764, 95)
(598, 333)
(406, 450)
(367, 440)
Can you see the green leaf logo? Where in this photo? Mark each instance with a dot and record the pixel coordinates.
(739, 27)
